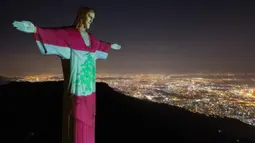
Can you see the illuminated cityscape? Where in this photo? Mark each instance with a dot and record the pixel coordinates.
(224, 95)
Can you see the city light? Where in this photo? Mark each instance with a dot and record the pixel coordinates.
(223, 95)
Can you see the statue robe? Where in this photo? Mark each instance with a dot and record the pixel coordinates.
(79, 68)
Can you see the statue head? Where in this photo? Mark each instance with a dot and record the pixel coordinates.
(84, 19)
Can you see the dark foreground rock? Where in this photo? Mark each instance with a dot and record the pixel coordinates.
(31, 112)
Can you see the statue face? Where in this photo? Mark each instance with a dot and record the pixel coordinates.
(90, 16)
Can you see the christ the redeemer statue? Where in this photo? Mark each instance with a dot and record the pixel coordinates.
(78, 50)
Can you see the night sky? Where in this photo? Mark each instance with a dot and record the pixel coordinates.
(161, 36)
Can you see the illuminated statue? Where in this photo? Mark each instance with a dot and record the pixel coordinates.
(78, 50)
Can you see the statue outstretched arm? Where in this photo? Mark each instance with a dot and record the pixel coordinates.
(50, 41)
(102, 47)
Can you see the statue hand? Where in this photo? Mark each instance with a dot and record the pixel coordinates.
(115, 46)
(24, 26)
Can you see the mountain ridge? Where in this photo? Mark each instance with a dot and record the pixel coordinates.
(36, 108)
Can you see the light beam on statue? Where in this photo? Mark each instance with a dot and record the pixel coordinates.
(78, 50)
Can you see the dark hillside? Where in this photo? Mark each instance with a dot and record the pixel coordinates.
(31, 112)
